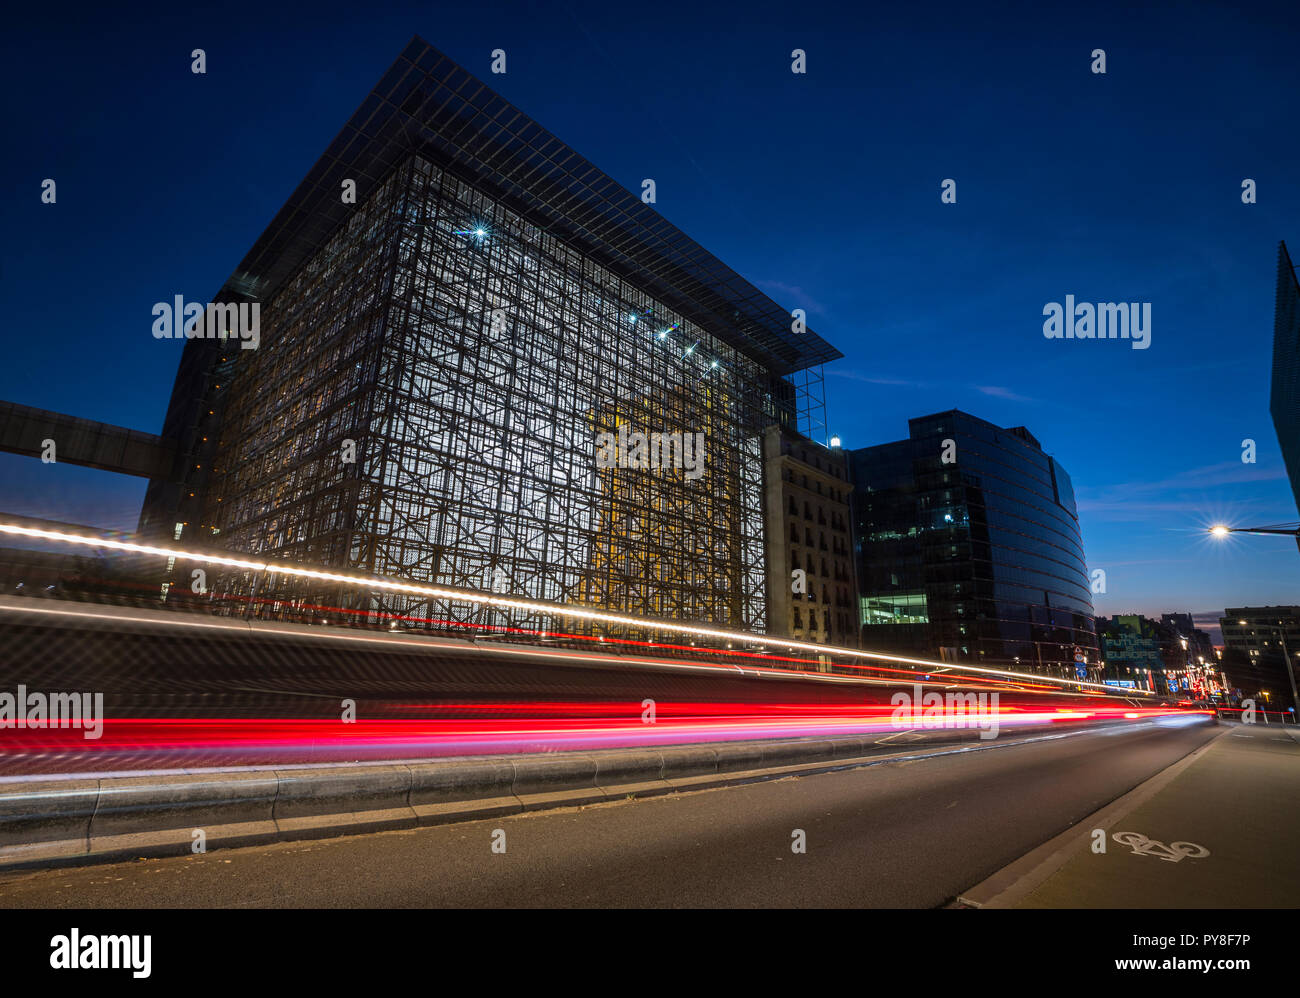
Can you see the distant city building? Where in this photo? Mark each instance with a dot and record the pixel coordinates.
(1191, 659)
(1253, 658)
(812, 593)
(1284, 403)
(1166, 656)
(1130, 644)
(968, 547)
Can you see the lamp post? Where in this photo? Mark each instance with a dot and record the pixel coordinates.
(1286, 530)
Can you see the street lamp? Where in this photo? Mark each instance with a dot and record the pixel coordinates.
(1286, 530)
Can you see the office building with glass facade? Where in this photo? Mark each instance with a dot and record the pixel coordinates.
(968, 548)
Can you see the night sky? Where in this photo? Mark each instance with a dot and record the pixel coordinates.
(822, 189)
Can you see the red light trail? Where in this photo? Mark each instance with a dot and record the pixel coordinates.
(166, 743)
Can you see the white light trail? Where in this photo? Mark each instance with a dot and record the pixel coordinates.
(555, 609)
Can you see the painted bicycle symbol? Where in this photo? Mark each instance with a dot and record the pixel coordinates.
(1172, 853)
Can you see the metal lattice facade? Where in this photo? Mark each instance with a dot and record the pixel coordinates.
(474, 372)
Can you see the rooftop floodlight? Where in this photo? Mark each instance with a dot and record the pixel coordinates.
(835, 441)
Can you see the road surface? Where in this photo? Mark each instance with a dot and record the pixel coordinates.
(901, 834)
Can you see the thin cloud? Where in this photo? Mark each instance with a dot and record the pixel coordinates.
(855, 376)
(998, 392)
(1133, 510)
(794, 293)
(1207, 476)
(995, 391)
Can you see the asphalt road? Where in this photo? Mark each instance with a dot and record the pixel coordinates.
(905, 834)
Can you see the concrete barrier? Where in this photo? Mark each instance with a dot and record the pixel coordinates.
(691, 766)
(357, 799)
(795, 753)
(559, 780)
(463, 790)
(144, 814)
(632, 773)
(45, 820)
(849, 747)
(735, 757)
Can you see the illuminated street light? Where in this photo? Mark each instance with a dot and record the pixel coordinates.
(1286, 530)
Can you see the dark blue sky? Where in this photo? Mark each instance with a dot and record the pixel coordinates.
(822, 189)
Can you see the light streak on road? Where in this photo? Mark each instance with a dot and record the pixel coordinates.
(173, 743)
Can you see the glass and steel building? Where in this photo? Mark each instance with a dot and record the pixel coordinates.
(439, 363)
(968, 548)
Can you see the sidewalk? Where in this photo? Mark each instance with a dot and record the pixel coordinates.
(1237, 799)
